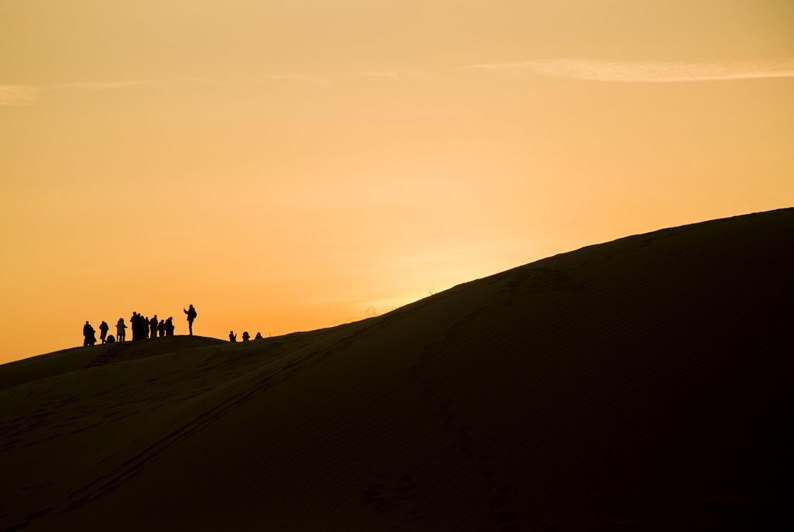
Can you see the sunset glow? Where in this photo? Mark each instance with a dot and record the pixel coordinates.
(289, 165)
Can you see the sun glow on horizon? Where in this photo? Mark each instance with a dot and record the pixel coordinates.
(286, 166)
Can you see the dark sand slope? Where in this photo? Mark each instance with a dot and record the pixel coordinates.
(643, 384)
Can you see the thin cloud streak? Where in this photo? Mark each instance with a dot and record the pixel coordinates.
(304, 77)
(103, 85)
(18, 95)
(641, 72)
(398, 76)
(15, 95)
(200, 81)
(21, 95)
(320, 80)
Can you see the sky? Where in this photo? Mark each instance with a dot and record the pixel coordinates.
(287, 165)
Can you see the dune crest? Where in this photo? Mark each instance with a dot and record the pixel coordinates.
(641, 384)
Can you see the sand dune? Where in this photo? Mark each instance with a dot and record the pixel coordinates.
(642, 384)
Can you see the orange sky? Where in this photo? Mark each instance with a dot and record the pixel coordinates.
(291, 164)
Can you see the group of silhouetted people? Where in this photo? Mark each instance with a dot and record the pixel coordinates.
(246, 336)
(142, 328)
(89, 334)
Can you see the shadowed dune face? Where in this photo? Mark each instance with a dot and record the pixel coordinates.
(642, 384)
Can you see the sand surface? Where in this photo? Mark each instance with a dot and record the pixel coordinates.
(642, 384)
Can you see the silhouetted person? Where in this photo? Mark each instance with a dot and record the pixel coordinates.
(169, 326)
(153, 327)
(232, 336)
(145, 328)
(103, 331)
(111, 340)
(191, 315)
(89, 334)
(246, 336)
(258, 336)
(161, 329)
(139, 326)
(121, 330)
(135, 323)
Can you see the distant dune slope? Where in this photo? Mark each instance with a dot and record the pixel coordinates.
(68, 360)
(641, 384)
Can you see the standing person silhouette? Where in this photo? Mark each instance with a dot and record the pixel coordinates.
(121, 330)
(88, 334)
(191, 315)
(246, 336)
(103, 331)
(232, 336)
(153, 327)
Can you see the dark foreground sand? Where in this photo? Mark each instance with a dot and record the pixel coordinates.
(643, 384)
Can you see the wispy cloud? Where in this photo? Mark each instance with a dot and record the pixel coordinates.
(322, 80)
(18, 95)
(399, 76)
(14, 95)
(102, 85)
(200, 81)
(642, 72)
(305, 77)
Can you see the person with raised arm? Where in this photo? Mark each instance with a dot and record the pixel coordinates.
(191, 315)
